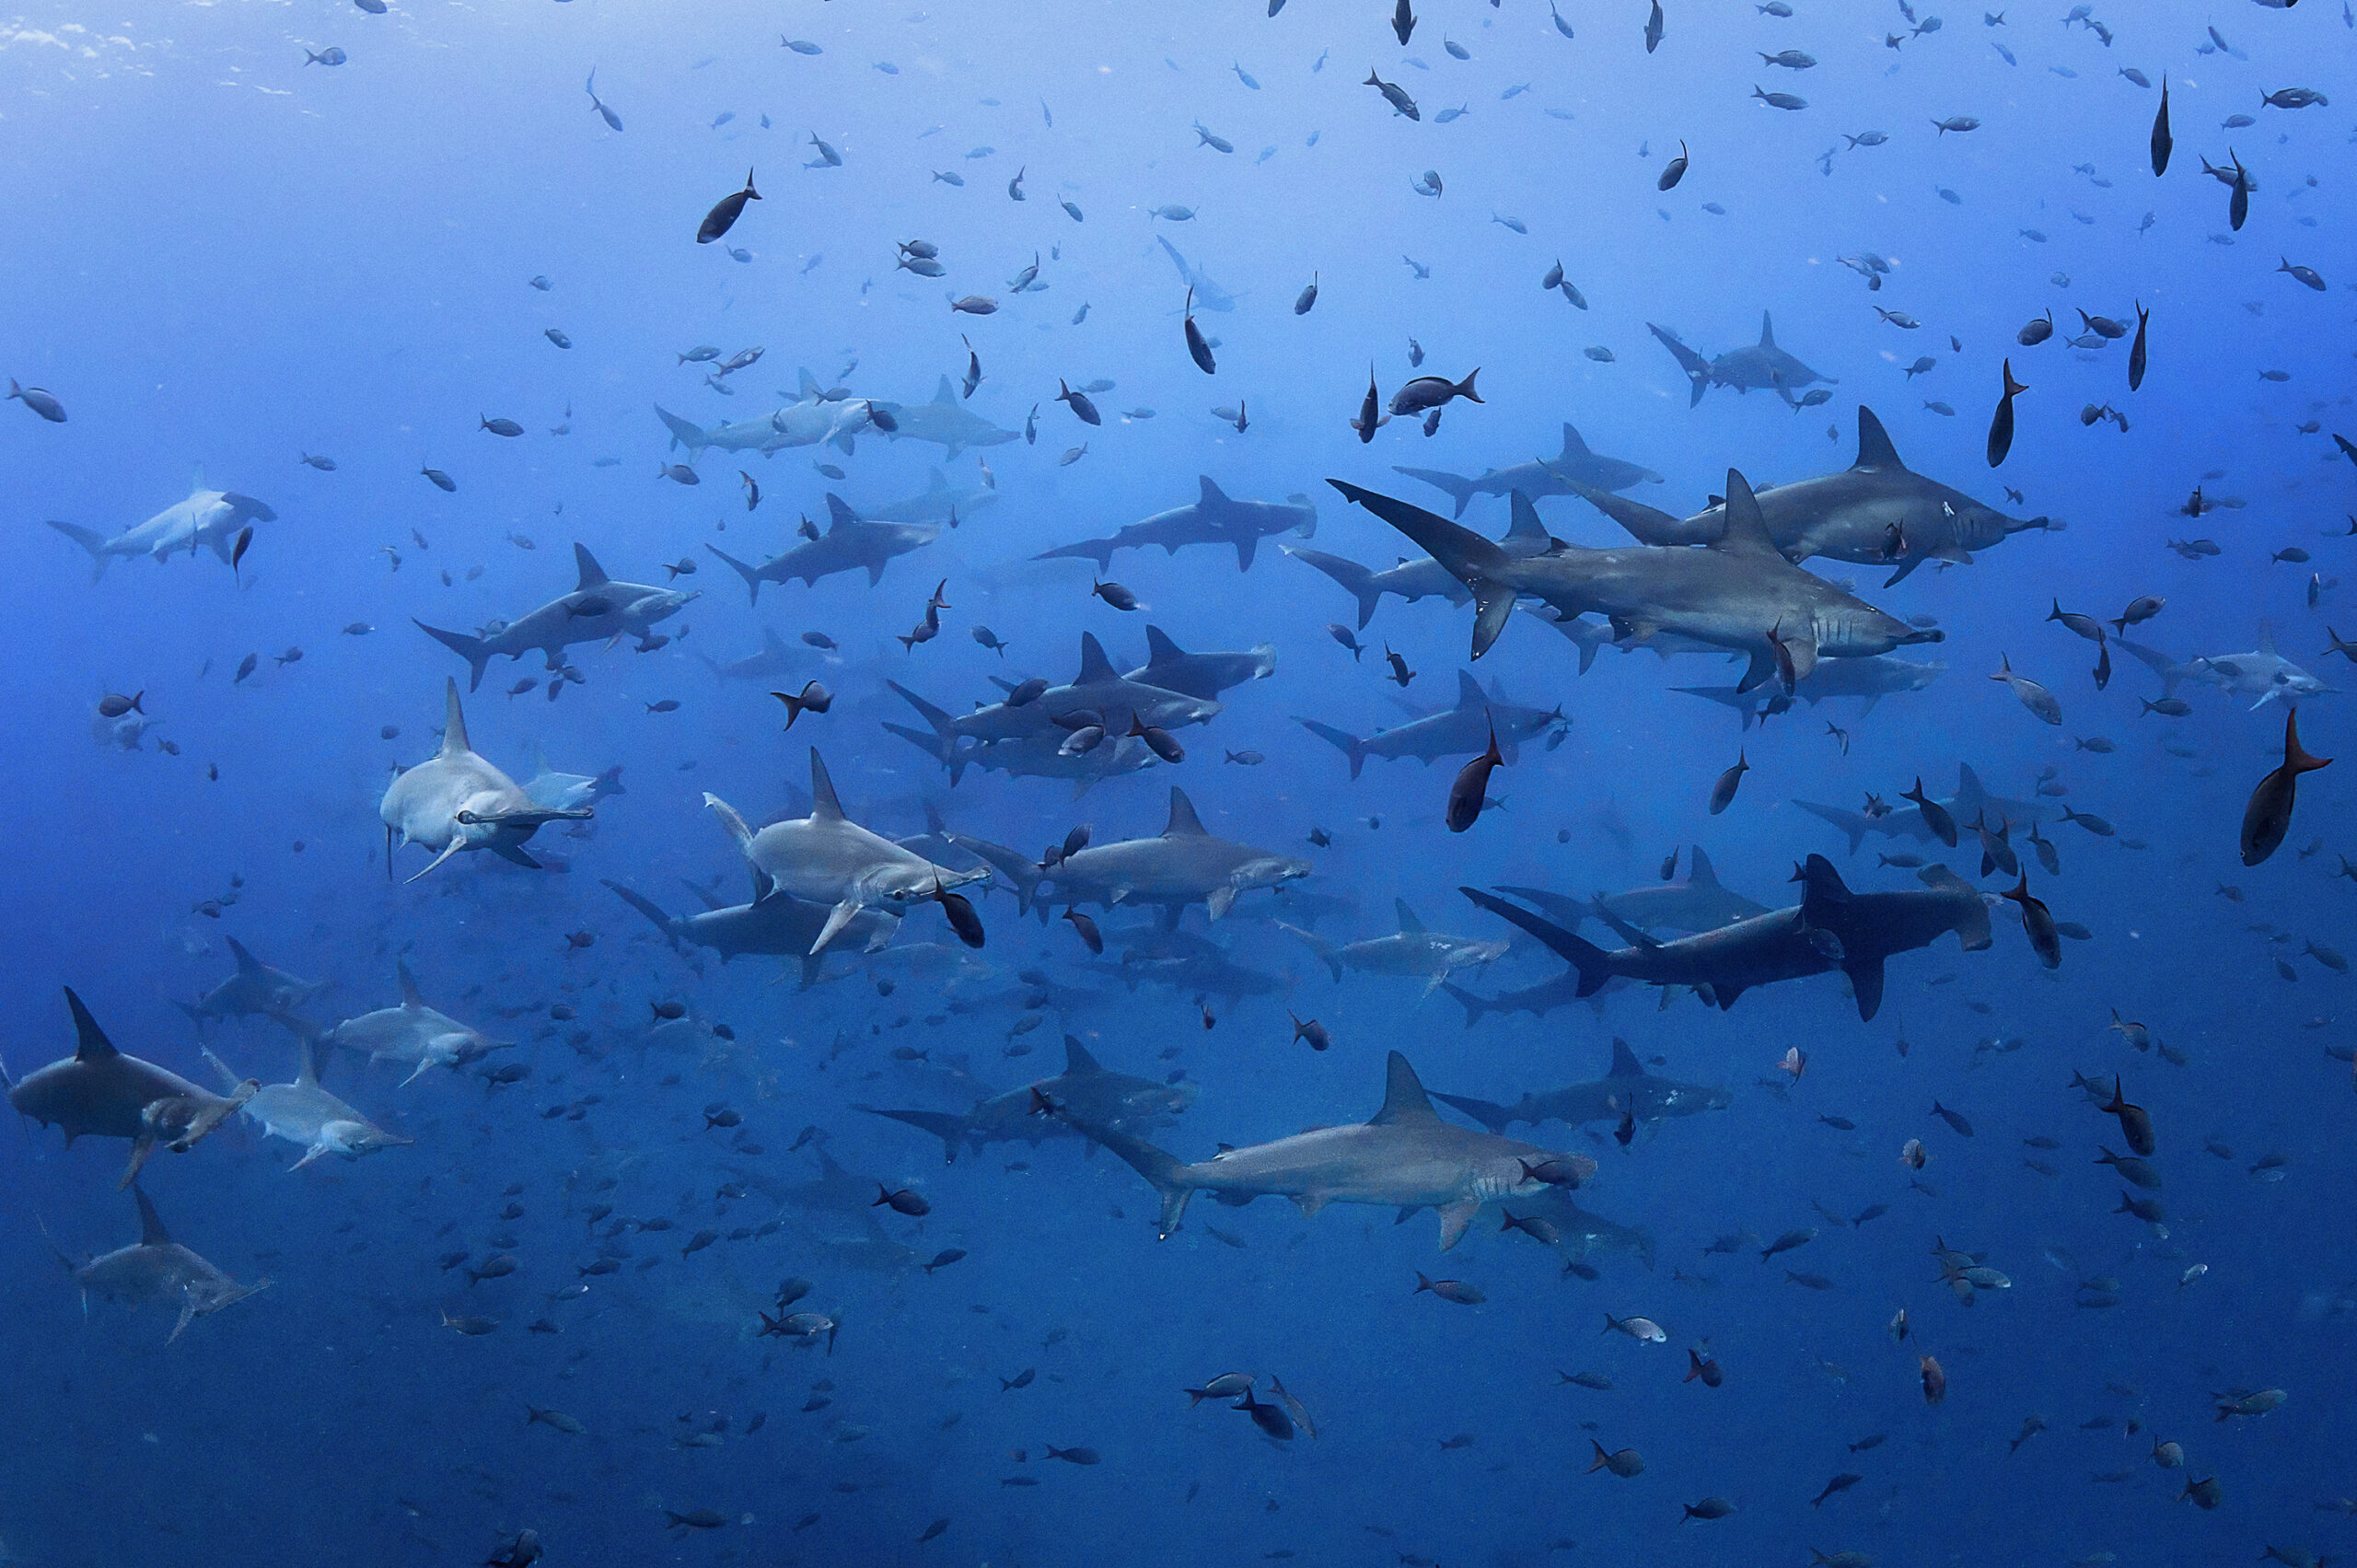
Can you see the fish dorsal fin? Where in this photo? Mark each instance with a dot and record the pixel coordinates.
(1624, 1061)
(838, 512)
(1408, 923)
(454, 721)
(1766, 331)
(592, 574)
(1875, 450)
(247, 963)
(1699, 873)
(1094, 666)
(2267, 639)
(945, 393)
(1525, 527)
(1747, 530)
(410, 998)
(90, 1042)
(1469, 690)
(1076, 1059)
(151, 1227)
(1212, 495)
(1573, 446)
(824, 804)
(1404, 1099)
(1184, 823)
(1159, 648)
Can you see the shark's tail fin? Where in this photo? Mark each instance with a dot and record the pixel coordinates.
(1016, 867)
(942, 742)
(89, 539)
(1696, 368)
(751, 575)
(1325, 950)
(1595, 965)
(1850, 822)
(1475, 1007)
(1646, 525)
(471, 649)
(1098, 550)
(1463, 554)
(1493, 1117)
(1162, 1170)
(932, 746)
(1457, 487)
(650, 908)
(1349, 745)
(950, 1130)
(1357, 581)
(302, 1028)
(682, 431)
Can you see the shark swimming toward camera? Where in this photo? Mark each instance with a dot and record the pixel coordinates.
(1461, 731)
(850, 544)
(206, 518)
(1626, 1089)
(598, 609)
(1085, 1089)
(1567, 473)
(1208, 295)
(1432, 957)
(1406, 1158)
(411, 1032)
(307, 1116)
(455, 800)
(1185, 865)
(1763, 368)
(103, 1092)
(157, 1270)
(1211, 518)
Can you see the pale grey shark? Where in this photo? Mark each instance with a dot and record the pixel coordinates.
(1877, 512)
(938, 502)
(1097, 689)
(207, 517)
(1212, 517)
(1432, 957)
(944, 421)
(1085, 1089)
(598, 609)
(1626, 1089)
(1737, 593)
(1034, 756)
(1424, 577)
(307, 1116)
(1209, 296)
(455, 800)
(1564, 474)
(564, 791)
(101, 1092)
(811, 418)
(1184, 865)
(1461, 731)
(158, 1270)
(253, 987)
(850, 544)
(1407, 1157)
(411, 1032)
(1200, 675)
(2263, 675)
(1869, 679)
(1970, 800)
(776, 662)
(1763, 367)
(1699, 902)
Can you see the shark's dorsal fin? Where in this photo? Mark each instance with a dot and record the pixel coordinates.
(771, 641)
(2266, 639)
(196, 479)
(1408, 923)
(945, 393)
(1184, 823)
(1766, 331)
(410, 998)
(1469, 690)
(838, 512)
(1094, 666)
(1574, 446)
(1525, 527)
(1404, 1099)
(1971, 792)
(1076, 1059)
(1624, 1061)
(1698, 872)
(592, 574)
(824, 805)
(805, 384)
(306, 1064)
(90, 1042)
(1747, 530)
(1875, 450)
(454, 722)
(151, 1228)
(1821, 886)
(1211, 495)
(247, 963)
(1159, 648)
(935, 482)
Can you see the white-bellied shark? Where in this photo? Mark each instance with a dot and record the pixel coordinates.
(1432, 957)
(157, 1270)
(101, 1092)
(1877, 512)
(207, 517)
(2263, 675)
(1085, 1089)
(1763, 368)
(1461, 731)
(1737, 593)
(598, 609)
(850, 544)
(1406, 1158)
(1184, 865)
(1199, 675)
(455, 800)
(307, 1116)
(812, 417)
(411, 1032)
(1626, 1089)
(1563, 474)
(1212, 517)
(253, 987)
(826, 858)
(944, 421)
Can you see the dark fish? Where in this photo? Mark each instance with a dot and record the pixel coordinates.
(441, 481)
(1079, 402)
(958, 910)
(2161, 142)
(904, 1201)
(2268, 816)
(1433, 392)
(499, 426)
(1935, 816)
(1196, 349)
(1723, 792)
(1367, 421)
(2238, 204)
(1158, 741)
(1114, 594)
(1403, 22)
(2036, 332)
(1654, 28)
(1954, 1119)
(1674, 171)
(1457, 1291)
(1303, 301)
(1309, 1029)
(1087, 928)
(813, 698)
(113, 705)
(2001, 423)
(2135, 1125)
(1470, 791)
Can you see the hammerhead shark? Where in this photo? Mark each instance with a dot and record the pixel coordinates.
(253, 987)
(1564, 474)
(1737, 593)
(455, 800)
(2262, 674)
(1877, 512)
(938, 502)
(1208, 295)
(1428, 956)
(1869, 679)
(1461, 731)
(307, 1116)
(1211, 518)
(207, 517)
(1424, 577)
(157, 1269)
(1830, 928)
(827, 858)
(411, 1032)
(945, 420)
(101, 1092)
(776, 661)
(598, 609)
(1407, 1157)
(1970, 800)
(780, 926)
(1115, 698)
(1084, 1088)
(850, 544)
(815, 416)
(1185, 865)
(1626, 1089)
(1204, 676)
(1038, 755)
(1763, 368)
(1699, 903)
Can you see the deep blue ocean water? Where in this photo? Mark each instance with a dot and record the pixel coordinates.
(223, 257)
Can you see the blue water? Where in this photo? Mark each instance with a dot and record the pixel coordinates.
(223, 257)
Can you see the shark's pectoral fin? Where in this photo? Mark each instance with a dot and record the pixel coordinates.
(455, 845)
(1454, 1219)
(1906, 568)
(1219, 901)
(1803, 653)
(141, 1147)
(1492, 604)
(1310, 1204)
(1865, 979)
(842, 915)
(514, 852)
(1757, 673)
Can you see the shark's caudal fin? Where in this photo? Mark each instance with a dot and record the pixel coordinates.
(471, 649)
(1874, 450)
(1159, 648)
(1475, 1007)
(684, 431)
(1559, 906)
(1098, 550)
(454, 722)
(806, 386)
(1458, 488)
(932, 746)
(592, 574)
(2168, 669)
(1492, 1117)
(751, 575)
(1094, 666)
(1696, 368)
(1524, 530)
(942, 744)
(89, 539)
(740, 829)
(1349, 745)
(1327, 952)
(1856, 825)
(951, 1130)
(1646, 525)
(1164, 1171)
(1017, 868)
(647, 907)
(1624, 1062)
(1595, 965)
(1463, 554)
(1356, 580)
